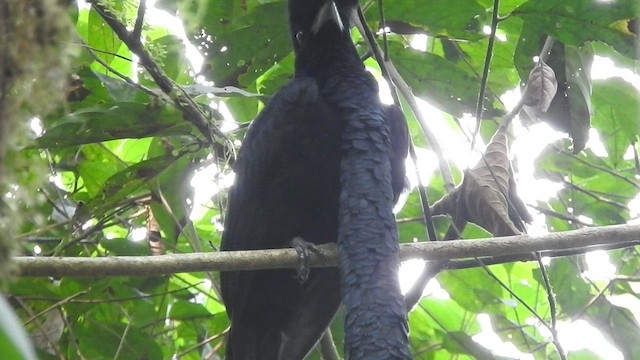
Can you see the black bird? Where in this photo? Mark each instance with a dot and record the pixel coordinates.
(287, 187)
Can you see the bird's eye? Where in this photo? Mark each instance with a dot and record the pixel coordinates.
(299, 37)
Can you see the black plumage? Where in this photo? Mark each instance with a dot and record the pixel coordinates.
(288, 185)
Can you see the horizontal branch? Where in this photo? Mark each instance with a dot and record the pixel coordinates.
(287, 258)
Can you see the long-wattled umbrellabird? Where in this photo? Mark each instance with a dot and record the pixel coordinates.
(288, 184)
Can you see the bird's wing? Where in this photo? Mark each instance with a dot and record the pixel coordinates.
(288, 160)
(264, 152)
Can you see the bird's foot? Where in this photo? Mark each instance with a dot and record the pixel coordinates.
(304, 250)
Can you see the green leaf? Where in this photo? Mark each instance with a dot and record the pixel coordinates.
(102, 38)
(440, 314)
(99, 164)
(617, 325)
(183, 310)
(584, 354)
(616, 113)
(118, 89)
(473, 289)
(129, 150)
(123, 184)
(174, 61)
(459, 342)
(125, 247)
(113, 121)
(502, 74)
(457, 19)
(241, 50)
(14, 341)
(571, 292)
(554, 159)
(102, 340)
(408, 231)
(575, 22)
(440, 82)
(277, 76)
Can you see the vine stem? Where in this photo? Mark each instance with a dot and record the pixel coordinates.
(551, 298)
(485, 71)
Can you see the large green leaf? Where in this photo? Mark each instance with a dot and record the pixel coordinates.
(174, 59)
(502, 75)
(102, 340)
(457, 19)
(618, 325)
(113, 121)
(574, 22)
(616, 114)
(171, 193)
(14, 341)
(122, 185)
(241, 50)
(125, 247)
(473, 289)
(555, 159)
(97, 166)
(101, 37)
(451, 88)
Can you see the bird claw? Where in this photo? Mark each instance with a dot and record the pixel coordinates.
(304, 250)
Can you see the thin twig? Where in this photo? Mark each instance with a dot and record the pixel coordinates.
(587, 192)
(122, 341)
(127, 79)
(72, 299)
(430, 270)
(518, 298)
(547, 212)
(200, 344)
(636, 158)
(328, 347)
(44, 332)
(551, 298)
(137, 28)
(56, 305)
(43, 229)
(485, 70)
(598, 167)
(449, 333)
(383, 25)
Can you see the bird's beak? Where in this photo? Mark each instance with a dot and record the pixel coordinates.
(328, 12)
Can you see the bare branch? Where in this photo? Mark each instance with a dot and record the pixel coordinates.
(287, 258)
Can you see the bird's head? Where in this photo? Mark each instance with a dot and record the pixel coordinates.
(316, 19)
(320, 34)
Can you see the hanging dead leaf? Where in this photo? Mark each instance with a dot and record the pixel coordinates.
(570, 109)
(540, 90)
(47, 335)
(486, 192)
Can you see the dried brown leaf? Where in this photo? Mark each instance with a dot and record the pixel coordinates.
(486, 193)
(540, 90)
